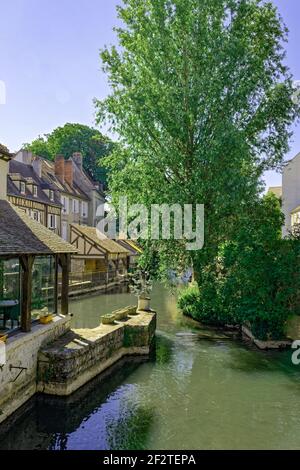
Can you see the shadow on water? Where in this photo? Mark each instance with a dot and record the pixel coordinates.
(131, 429)
(199, 390)
(45, 422)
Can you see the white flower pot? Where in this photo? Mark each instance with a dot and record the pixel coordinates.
(144, 304)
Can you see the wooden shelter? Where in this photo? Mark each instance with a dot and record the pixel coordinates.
(25, 239)
(134, 252)
(98, 253)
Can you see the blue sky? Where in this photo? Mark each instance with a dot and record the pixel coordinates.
(49, 61)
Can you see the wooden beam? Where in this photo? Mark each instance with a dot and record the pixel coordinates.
(90, 241)
(65, 263)
(26, 264)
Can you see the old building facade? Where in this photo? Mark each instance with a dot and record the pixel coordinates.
(62, 184)
(4, 162)
(27, 190)
(291, 194)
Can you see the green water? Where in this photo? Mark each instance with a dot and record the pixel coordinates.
(194, 393)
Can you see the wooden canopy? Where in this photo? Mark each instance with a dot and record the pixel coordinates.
(19, 235)
(89, 245)
(132, 247)
(24, 238)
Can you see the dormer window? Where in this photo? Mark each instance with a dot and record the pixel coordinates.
(51, 195)
(22, 187)
(34, 191)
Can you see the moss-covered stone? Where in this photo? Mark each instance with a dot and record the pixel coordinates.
(79, 355)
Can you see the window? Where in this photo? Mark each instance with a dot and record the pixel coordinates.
(75, 206)
(43, 282)
(52, 221)
(295, 218)
(9, 291)
(84, 209)
(35, 215)
(65, 204)
(22, 187)
(51, 195)
(35, 191)
(64, 231)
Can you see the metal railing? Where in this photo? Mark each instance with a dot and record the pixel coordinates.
(88, 280)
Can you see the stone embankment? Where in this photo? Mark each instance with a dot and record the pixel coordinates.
(80, 355)
(57, 360)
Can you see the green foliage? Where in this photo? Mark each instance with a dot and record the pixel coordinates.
(72, 138)
(40, 147)
(255, 278)
(130, 430)
(202, 103)
(140, 283)
(188, 301)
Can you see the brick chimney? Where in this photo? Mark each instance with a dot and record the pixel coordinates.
(69, 172)
(4, 159)
(60, 167)
(77, 158)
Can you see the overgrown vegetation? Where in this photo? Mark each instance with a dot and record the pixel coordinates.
(72, 138)
(254, 279)
(203, 105)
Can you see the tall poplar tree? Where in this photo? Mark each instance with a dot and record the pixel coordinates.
(202, 103)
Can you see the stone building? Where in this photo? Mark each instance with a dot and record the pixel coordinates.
(276, 190)
(291, 194)
(77, 194)
(30, 192)
(30, 255)
(4, 162)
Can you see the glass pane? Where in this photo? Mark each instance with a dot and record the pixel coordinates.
(43, 283)
(9, 294)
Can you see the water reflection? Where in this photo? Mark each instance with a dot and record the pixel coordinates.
(199, 390)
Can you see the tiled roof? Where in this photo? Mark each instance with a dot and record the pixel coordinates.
(19, 234)
(130, 246)
(84, 181)
(27, 172)
(108, 245)
(48, 173)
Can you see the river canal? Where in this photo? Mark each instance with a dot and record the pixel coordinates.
(193, 393)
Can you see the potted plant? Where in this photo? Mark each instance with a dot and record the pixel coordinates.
(141, 286)
(45, 316)
(3, 337)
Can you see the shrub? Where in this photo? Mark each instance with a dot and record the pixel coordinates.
(254, 279)
(188, 301)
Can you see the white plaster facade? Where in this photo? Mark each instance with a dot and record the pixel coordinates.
(290, 192)
(3, 178)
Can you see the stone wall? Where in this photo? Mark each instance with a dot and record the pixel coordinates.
(80, 355)
(22, 351)
(290, 191)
